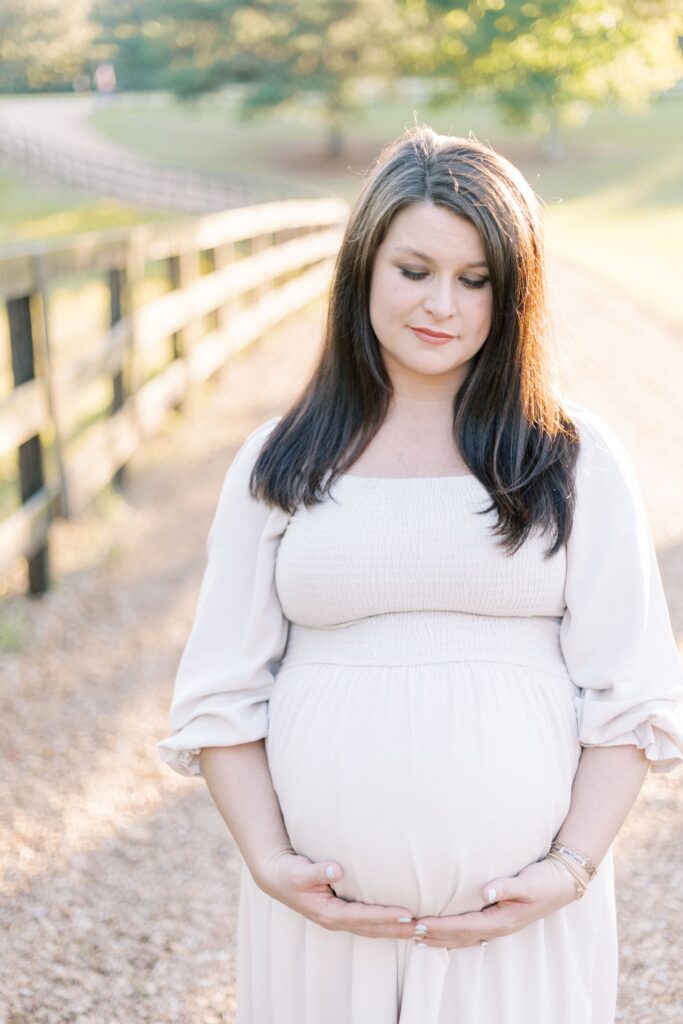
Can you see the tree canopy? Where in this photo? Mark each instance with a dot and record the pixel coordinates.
(280, 49)
(39, 47)
(555, 58)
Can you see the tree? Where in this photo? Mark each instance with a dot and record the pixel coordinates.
(546, 59)
(556, 59)
(39, 47)
(150, 46)
(325, 49)
(279, 49)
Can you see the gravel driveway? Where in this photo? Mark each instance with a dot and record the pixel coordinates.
(119, 880)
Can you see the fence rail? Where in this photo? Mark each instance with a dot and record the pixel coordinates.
(150, 185)
(286, 253)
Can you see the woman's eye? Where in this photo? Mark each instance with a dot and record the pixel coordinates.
(418, 275)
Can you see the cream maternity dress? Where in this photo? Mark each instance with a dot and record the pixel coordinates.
(425, 699)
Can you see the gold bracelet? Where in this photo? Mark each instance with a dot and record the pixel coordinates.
(588, 866)
(579, 885)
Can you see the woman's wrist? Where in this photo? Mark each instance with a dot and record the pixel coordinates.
(240, 784)
(261, 869)
(606, 784)
(563, 865)
(577, 859)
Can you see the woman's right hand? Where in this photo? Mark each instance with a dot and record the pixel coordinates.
(304, 886)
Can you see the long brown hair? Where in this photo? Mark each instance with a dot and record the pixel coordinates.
(508, 420)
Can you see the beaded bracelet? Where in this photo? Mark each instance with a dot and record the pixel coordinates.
(583, 862)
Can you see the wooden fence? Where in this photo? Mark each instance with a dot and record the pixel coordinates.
(260, 264)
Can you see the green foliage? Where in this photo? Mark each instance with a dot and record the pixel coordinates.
(556, 58)
(550, 58)
(39, 47)
(186, 46)
(279, 49)
(141, 46)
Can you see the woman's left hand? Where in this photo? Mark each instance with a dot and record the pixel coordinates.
(538, 890)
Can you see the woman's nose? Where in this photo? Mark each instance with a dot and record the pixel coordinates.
(439, 301)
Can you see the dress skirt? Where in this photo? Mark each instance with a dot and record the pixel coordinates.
(427, 753)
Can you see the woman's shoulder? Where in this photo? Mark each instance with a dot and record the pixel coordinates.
(604, 464)
(237, 473)
(259, 434)
(236, 505)
(591, 425)
(597, 438)
(251, 446)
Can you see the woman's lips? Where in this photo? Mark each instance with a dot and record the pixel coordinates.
(433, 339)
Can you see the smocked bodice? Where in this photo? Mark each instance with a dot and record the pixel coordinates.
(380, 545)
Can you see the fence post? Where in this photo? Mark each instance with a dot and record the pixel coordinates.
(221, 257)
(259, 244)
(41, 343)
(118, 307)
(31, 477)
(183, 270)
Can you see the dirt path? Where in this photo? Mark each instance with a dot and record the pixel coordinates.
(65, 120)
(56, 131)
(119, 881)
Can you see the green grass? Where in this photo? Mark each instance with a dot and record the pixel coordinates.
(13, 633)
(32, 211)
(614, 202)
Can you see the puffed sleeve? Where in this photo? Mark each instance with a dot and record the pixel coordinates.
(228, 666)
(615, 634)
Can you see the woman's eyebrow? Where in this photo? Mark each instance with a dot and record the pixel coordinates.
(423, 256)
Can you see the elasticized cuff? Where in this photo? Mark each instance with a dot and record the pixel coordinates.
(604, 723)
(185, 762)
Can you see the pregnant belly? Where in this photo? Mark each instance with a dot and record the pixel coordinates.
(423, 782)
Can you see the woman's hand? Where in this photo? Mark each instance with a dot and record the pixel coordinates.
(538, 890)
(304, 886)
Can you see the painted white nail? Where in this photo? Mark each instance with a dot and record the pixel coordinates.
(404, 920)
(329, 871)
(421, 928)
(421, 945)
(491, 895)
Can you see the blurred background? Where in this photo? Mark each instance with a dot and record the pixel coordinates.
(585, 97)
(174, 178)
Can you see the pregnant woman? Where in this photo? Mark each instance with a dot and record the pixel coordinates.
(431, 661)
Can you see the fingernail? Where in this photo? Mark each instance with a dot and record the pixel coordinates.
(421, 928)
(329, 871)
(421, 945)
(491, 895)
(404, 920)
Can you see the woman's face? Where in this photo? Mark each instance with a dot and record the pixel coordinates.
(430, 272)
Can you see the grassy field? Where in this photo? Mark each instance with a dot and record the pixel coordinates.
(614, 201)
(31, 211)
